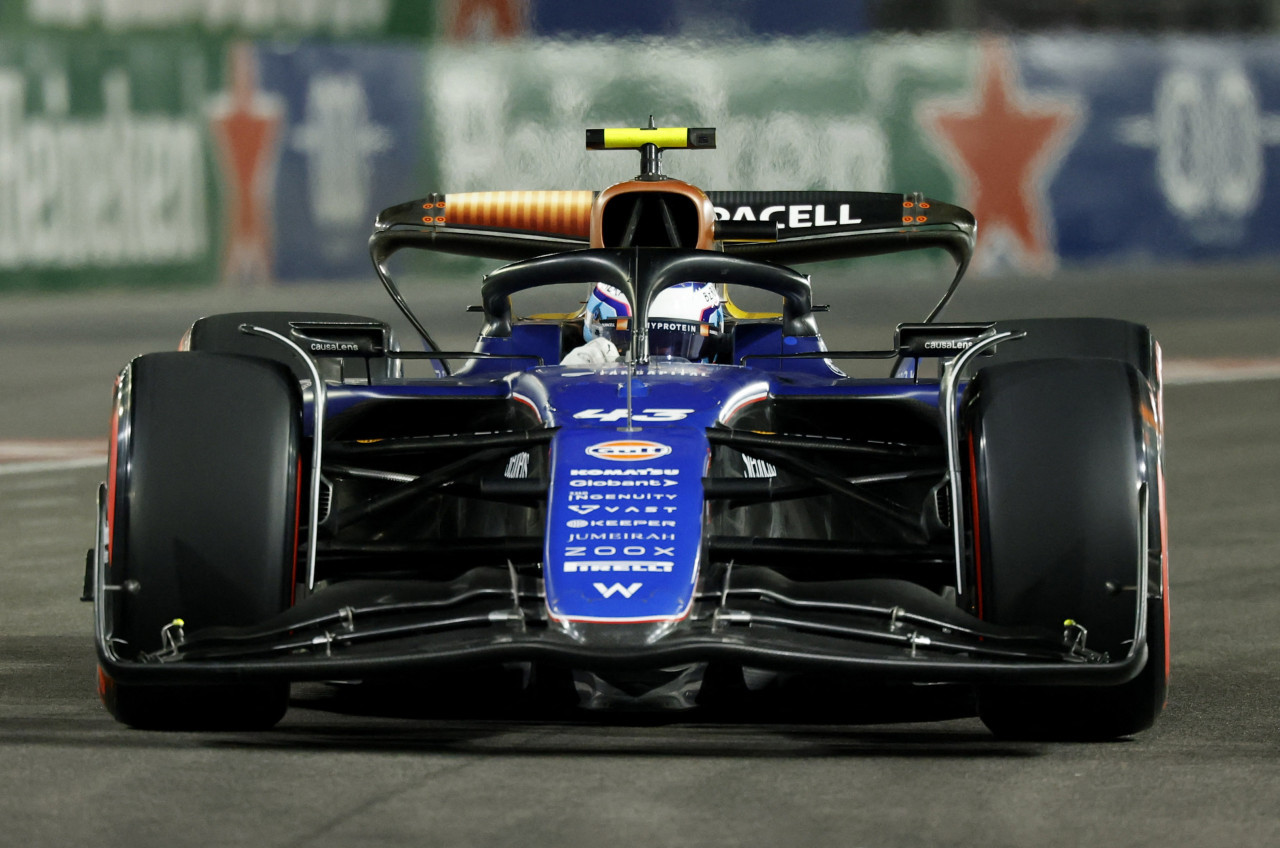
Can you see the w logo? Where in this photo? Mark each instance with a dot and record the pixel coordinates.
(625, 591)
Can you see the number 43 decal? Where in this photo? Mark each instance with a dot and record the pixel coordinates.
(650, 415)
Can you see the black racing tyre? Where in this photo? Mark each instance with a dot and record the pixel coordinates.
(221, 334)
(1125, 341)
(242, 706)
(204, 505)
(1062, 463)
(1062, 338)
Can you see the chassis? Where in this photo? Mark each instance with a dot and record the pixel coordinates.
(283, 504)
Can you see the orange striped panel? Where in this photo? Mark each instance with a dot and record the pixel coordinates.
(562, 212)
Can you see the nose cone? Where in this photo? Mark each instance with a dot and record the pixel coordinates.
(624, 524)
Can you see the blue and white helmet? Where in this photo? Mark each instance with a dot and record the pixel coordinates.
(682, 319)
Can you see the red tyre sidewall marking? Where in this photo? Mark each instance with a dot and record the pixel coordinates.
(977, 534)
(112, 465)
(105, 685)
(1164, 515)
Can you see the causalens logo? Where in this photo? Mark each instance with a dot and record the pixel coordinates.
(628, 450)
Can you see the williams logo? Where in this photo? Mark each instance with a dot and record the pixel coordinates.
(609, 591)
(628, 450)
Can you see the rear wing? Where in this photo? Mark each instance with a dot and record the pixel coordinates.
(787, 227)
(655, 211)
(817, 226)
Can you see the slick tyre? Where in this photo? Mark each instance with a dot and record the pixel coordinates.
(221, 334)
(204, 505)
(1062, 466)
(1070, 338)
(195, 708)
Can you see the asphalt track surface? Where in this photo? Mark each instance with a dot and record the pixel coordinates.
(418, 771)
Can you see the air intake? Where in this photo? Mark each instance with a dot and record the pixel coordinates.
(650, 219)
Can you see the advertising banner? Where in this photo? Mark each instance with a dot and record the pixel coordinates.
(344, 19)
(150, 148)
(468, 20)
(1069, 150)
(177, 162)
(791, 115)
(184, 142)
(103, 168)
(1175, 149)
(347, 146)
(705, 19)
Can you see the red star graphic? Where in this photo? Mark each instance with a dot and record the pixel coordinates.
(246, 123)
(475, 20)
(1004, 144)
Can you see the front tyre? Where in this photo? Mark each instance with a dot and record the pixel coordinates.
(190, 708)
(204, 495)
(1063, 467)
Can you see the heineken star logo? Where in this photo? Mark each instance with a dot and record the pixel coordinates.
(1005, 144)
(246, 127)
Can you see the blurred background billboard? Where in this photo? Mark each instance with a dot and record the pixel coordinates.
(251, 142)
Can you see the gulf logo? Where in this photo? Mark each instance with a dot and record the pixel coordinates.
(628, 450)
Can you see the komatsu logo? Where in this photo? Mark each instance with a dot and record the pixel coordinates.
(628, 450)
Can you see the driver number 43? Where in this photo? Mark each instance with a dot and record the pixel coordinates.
(649, 414)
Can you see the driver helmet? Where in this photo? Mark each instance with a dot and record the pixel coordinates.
(684, 319)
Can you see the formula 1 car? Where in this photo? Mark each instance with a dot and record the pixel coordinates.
(660, 525)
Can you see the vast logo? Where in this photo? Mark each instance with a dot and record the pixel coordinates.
(628, 450)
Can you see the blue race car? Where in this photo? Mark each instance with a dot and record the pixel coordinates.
(659, 499)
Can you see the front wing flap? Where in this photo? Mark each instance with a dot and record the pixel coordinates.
(885, 629)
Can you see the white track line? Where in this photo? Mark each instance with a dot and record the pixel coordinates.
(1195, 372)
(62, 465)
(25, 456)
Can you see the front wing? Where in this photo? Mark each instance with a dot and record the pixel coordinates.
(877, 628)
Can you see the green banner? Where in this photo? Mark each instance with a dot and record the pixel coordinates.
(836, 114)
(112, 170)
(341, 19)
(791, 115)
(104, 170)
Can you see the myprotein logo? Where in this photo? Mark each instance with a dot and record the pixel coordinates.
(628, 450)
